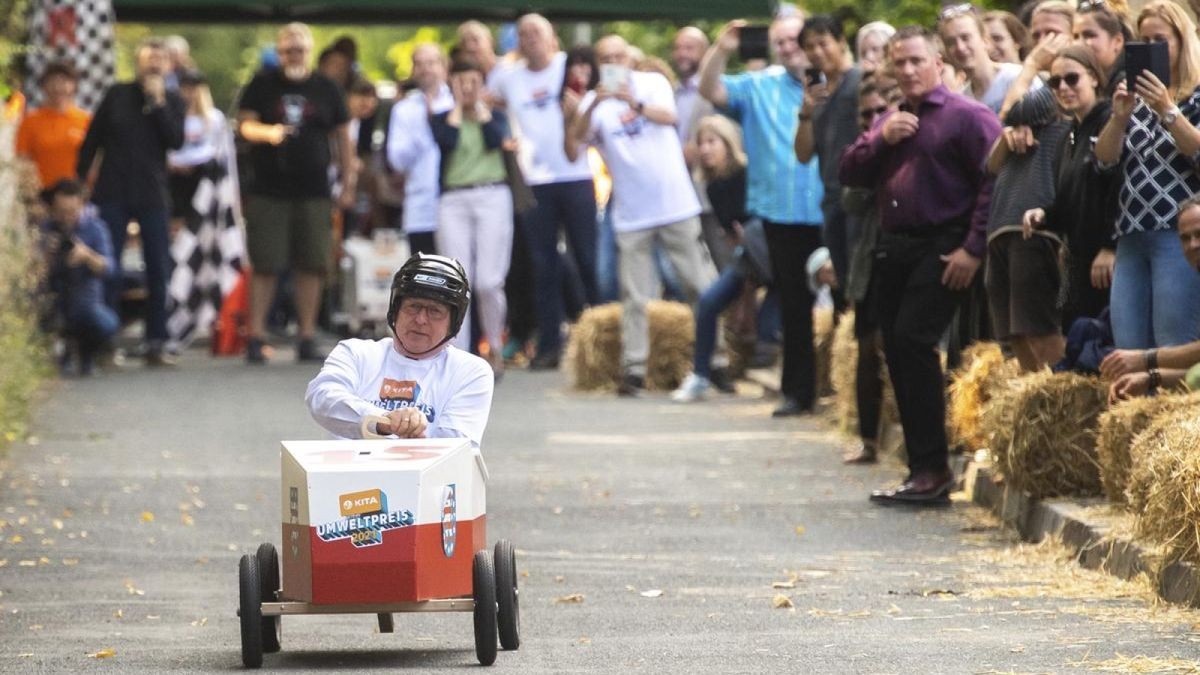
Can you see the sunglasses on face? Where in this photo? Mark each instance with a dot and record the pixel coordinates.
(954, 11)
(871, 113)
(1091, 4)
(1072, 80)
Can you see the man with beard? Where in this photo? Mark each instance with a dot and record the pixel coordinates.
(134, 126)
(295, 119)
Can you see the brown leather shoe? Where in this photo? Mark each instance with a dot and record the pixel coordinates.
(925, 488)
(861, 453)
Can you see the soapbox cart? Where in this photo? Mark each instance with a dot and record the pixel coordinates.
(381, 527)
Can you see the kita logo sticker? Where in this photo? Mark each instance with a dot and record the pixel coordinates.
(399, 390)
(365, 519)
(449, 519)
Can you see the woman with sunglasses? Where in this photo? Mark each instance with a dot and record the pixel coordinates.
(1085, 204)
(1153, 143)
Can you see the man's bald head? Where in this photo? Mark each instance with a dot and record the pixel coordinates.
(428, 67)
(687, 50)
(536, 40)
(612, 49)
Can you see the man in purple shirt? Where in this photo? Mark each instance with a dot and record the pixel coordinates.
(927, 162)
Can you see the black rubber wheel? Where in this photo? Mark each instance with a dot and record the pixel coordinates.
(387, 623)
(250, 611)
(484, 578)
(268, 571)
(507, 595)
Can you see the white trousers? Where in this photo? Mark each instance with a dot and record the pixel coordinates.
(640, 284)
(475, 227)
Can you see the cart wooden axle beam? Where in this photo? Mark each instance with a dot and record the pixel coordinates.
(289, 608)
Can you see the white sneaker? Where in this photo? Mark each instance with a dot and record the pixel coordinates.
(694, 388)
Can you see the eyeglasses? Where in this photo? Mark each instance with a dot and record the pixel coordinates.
(868, 113)
(433, 312)
(1072, 80)
(954, 11)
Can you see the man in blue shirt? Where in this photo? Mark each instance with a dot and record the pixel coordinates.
(782, 192)
(79, 259)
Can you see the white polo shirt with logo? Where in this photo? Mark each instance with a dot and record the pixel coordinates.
(532, 100)
(651, 185)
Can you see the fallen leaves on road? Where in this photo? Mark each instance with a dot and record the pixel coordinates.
(781, 601)
(106, 653)
(147, 517)
(800, 530)
(202, 621)
(133, 590)
(655, 593)
(559, 578)
(789, 583)
(119, 614)
(1139, 664)
(572, 599)
(187, 519)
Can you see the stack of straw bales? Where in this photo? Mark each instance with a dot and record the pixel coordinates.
(823, 335)
(1121, 425)
(1164, 482)
(983, 374)
(843, 374)
(594, 350)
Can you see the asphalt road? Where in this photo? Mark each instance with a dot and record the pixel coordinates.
(122, 520)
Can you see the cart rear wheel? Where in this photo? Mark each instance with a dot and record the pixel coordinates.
(507, 598)
(250, 610)
(268, 571)
(484, 578)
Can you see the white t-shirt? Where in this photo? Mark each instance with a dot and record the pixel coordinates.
(369, 377)
(412, 151)
(651, 185)
(531, 98)
(1006, 74)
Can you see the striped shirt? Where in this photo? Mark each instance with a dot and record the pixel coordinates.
(1155, 176)
(779, 188)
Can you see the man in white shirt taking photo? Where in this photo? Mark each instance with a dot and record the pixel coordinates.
(421, 384)
(630, 118)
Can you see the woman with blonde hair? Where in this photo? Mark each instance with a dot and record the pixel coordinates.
(1153, 142)
(723, 166)
(204, 135)
(1007, 36)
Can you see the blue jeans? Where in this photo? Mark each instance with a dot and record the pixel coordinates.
(721, 294)
(1155, 299)
(573, 205)
(92, 324)
(152, 222)
(608, 287)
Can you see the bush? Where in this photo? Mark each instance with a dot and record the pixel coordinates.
(23, 362)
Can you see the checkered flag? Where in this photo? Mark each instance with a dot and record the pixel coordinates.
(79, 32)
(208, 262)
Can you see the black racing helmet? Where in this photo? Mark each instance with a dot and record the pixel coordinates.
(433, 277)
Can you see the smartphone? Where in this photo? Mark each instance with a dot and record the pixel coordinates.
(814, 76)
(613, 77)
(753, 43)
(1152, 56)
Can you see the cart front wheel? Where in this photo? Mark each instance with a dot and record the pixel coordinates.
(507, 597)
(484, 578)
(250, 610)
(268, 570)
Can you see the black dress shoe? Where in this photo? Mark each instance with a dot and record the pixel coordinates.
(861, 453)
(544, 362)
(308, 352)
(790, 408)
(926, 488)
(721, 381)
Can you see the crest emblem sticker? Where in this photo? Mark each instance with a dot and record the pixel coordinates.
(449, 519)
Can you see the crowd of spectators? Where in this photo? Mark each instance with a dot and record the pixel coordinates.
(995, 175)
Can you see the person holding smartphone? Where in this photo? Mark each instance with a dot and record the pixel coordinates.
(1153, 144)
(782, 192)
(828, 122)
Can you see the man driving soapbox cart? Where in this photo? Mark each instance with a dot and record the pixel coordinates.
(390, 517)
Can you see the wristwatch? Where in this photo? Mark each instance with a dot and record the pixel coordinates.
(1170, 116)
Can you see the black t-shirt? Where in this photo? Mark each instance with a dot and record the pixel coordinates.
(728, 198)
(298, 167)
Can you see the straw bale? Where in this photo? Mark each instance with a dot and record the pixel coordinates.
(823, 329)
(843, 374)
(594, 349)
(1164, 483)
(1120, 425)
(1053, 448)
(999, 415)
(672, 339)
(983, 372)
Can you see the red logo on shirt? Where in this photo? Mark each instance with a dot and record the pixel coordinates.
(397, 390)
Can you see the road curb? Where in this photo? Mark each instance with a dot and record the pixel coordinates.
(1095, 546)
